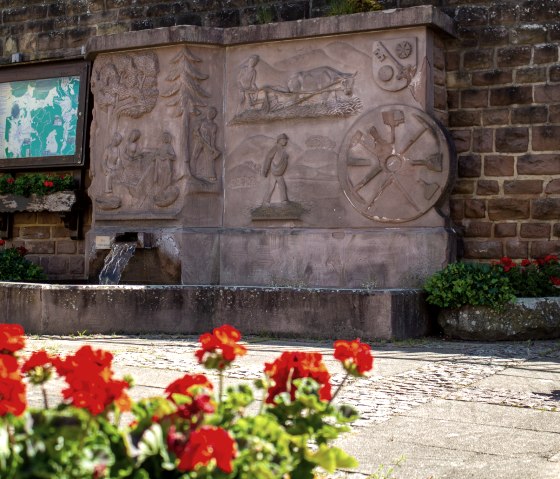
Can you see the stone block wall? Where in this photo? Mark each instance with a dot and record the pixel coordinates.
(502, 89)
(503, 83)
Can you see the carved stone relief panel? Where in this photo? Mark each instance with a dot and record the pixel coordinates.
(395, 62)
(313, 92)
(322, 91)
(394, 163)
(156, 137)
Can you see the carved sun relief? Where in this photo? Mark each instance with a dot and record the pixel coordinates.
(394, 163)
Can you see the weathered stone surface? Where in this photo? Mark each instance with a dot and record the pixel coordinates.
(59, 202)
(402, 18)
(527, 318)
(309, 313)
(497, 165)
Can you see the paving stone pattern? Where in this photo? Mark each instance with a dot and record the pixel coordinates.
(450, 375)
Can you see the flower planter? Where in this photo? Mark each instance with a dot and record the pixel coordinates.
(60, 202)
(526, 318)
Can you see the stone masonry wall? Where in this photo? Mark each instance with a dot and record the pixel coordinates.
(503, 95)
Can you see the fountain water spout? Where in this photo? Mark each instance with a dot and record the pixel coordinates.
(122, 250)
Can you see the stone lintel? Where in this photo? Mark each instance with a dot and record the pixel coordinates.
(425, 15)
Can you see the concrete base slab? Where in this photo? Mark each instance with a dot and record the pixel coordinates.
(310, 313)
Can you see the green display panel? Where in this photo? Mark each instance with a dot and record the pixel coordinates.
(42, 112)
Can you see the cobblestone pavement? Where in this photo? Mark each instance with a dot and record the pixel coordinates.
(407, 375)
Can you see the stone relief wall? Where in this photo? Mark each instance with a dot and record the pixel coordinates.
(343, 138)
(155, 140)
(316, 161)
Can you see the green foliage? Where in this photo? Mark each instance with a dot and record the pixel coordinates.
(35, 183)
(346, 7)
(14, 266)
(473, 284)
(265, 15)
(532, 278)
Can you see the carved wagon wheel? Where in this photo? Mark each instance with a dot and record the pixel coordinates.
(394, 163)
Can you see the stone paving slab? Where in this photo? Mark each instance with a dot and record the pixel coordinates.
(454, 410)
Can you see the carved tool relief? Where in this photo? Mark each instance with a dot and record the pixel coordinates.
(395, 63)
(394, 163)
(313, 93)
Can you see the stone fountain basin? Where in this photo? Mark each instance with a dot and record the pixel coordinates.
(179, 309)
(526, 318)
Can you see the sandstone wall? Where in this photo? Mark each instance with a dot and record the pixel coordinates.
(503, 95)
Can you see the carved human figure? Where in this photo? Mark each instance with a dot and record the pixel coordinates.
(276, 162)
(164, 162)
(112, 162)
(131, 149)
(246, 80)
(204, 151)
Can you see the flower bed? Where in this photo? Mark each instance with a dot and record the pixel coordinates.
(37, 192)
(192, 432)
(503, 300)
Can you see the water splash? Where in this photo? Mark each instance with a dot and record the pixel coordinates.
(116, 261)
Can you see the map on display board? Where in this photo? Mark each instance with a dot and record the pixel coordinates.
(39, 117)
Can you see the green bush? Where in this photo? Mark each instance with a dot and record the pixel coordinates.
(473, 284)
(14, 267)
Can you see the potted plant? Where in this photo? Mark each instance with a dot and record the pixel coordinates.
(498, 301)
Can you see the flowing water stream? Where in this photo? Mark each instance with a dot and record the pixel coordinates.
(116, 261)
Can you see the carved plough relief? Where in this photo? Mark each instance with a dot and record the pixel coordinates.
(394, 163)
(318, 92)
(160, 140)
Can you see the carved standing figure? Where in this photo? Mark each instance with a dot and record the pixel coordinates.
(247, 82)
(164, 162)
(276, 162)
(204, 151)
(112, 162)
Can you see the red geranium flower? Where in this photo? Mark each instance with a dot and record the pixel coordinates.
(9, 368)
(38, 367)
(526, 262)
(10, 180)
(90, 381)
(12, 337)
(182, 385)
(2, 242)
(206, 444)
(220, 347)
(355, 356)
(48, 184)
(12, 397)
(192, 386)
(294, 365)
(555, 280)
(507, 264)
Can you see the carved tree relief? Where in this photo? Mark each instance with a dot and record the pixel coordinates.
(185, 99)
(394, 163)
